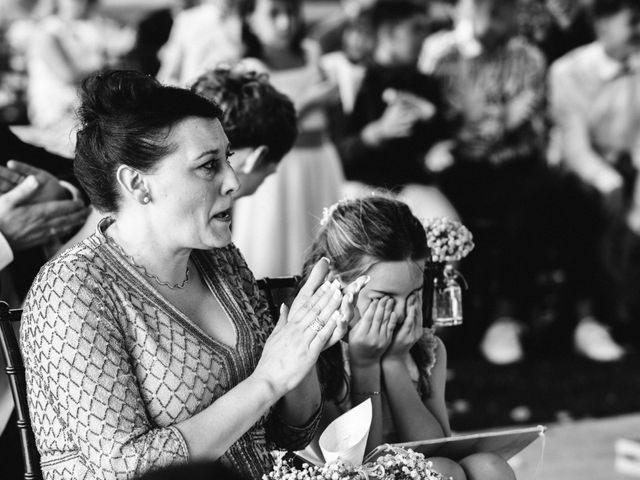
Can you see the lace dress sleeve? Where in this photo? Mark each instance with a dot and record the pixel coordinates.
(84, 400)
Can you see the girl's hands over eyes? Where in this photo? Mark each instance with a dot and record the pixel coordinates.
(372, 335)
(409, 332)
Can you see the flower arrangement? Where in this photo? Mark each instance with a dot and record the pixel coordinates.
(448, 239)
(395, 464)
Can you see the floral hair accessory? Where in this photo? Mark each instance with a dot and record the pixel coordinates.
(327, 212)
(395, 463)
(448, 239)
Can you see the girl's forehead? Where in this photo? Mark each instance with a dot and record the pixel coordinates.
(398, 276)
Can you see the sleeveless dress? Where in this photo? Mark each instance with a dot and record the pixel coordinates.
(275, 226)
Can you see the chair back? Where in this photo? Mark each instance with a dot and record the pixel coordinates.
(278, 290)
(15, 372)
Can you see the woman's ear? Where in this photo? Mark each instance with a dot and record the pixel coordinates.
(132, 182)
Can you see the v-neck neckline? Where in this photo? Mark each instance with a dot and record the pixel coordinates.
(211, 278)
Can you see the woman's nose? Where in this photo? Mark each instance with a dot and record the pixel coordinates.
(230, 182)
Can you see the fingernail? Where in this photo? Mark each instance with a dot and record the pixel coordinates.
(350, 297)
(335, 283)
(337, 294)
(325, 285)
(326, 259)
(31, 181)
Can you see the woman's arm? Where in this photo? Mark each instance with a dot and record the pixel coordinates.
(50, 49)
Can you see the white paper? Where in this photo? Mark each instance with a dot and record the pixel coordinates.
(346, 437)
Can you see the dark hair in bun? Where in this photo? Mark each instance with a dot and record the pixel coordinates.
(125, 119)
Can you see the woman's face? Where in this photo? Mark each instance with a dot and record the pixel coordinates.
(396, 280)
(275, 22)
(191, 189)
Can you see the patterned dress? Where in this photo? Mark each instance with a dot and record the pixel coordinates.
(111, 366)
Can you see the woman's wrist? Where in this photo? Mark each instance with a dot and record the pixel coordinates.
(392, 362)
(266, 388)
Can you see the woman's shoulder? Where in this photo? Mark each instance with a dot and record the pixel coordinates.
(80, 266)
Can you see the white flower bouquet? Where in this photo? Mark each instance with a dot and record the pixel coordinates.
(395, 464)
(448, 239)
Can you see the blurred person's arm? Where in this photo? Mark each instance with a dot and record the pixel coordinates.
(25, 225)
(15, 148)
(570, 118)
(50, 49)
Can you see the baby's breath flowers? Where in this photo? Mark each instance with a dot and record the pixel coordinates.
(448, 239)
(397, 464)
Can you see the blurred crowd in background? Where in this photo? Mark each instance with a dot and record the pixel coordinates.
(519, 117)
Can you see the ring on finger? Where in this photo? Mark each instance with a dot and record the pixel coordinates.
(316, 325)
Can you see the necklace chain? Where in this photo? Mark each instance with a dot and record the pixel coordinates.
(145, 272)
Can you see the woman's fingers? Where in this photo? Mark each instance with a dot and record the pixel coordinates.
(341, 327)
(316, 278)
(282, 321)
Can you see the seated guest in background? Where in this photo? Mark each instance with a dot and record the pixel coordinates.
(389, 357)
(494, 89)
(157, 313)
(259, 121)
(595, 108)
(396, 118)
(286, 207)
(593, 100)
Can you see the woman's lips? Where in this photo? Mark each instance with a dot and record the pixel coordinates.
(224, 215)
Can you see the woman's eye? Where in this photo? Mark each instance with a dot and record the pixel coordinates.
(210, 166)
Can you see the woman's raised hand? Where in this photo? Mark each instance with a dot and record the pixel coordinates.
(409, 332)
(318, 318)
(372, 335)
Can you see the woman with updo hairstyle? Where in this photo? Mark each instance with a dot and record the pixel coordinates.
(148, 343)
(387, 355)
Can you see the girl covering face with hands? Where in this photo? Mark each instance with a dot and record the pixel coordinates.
(387, 355)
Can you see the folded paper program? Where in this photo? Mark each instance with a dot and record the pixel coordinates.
(346, 437)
